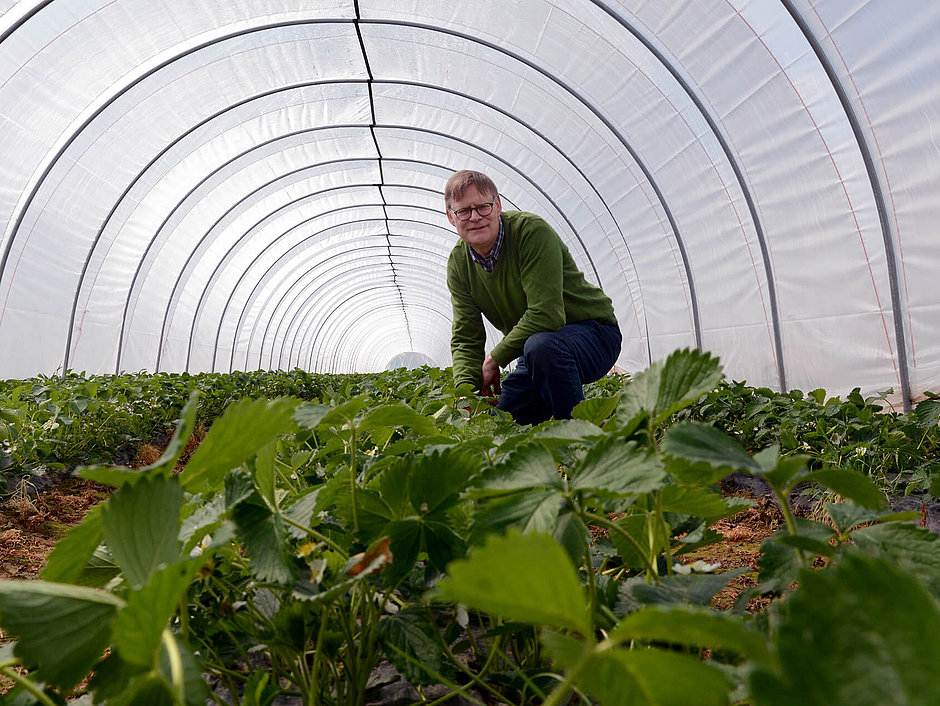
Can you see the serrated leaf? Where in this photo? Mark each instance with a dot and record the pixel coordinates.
(310, 414)
(139, 624)
(264, 536)
(851, 485)
(265, 474)
(693, 628)
(436, 480)
(566, 650)
(667, 386)
(531, 511)
(927, 414)
(301, 511)
(235, 437)
(566, 431)
(405, 546)
(141, 525)
(807, 544)
(614, 468)
(596, 409)
(529, 466)
(410, 644)
(520, 577)
(653, 678)
(908, 546)
(72, 552)
(62, 629)
(698, 442)
(700, 502)
(691, 589)
(396, 415)
(863, 633)
(647, 532)
(346, 412)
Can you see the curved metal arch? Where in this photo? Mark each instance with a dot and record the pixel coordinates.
(297, 282)
(238, 156)
(246, 235)
(736, 168)
(265, 27)
(23, 20)
(355, 344)
(308, 310)
(888, 233)
(253, 193)
(334, 311)
(195, 188)
(238, 283)
(317, 286)
(120, 200)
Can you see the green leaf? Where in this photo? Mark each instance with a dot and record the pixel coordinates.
(62, 629)
(647, 531)
(927, 414)
(72, 552)
(565, 431)
(235, 437)
(566, 650)
(907, 546)
(436, 480)
(346, 412)
(266, 541)
(529, 466)
(653, 678)
(691, 589)
(852, 485)
(700, 502)
(410, 642)
(310, 414)
(698, 442)
(693, 628)
(139, 624)
(301, 511)
(807, 544)
(862, 633)
(396, 415)
(667, 386)
(141, 525)
(520, 577)
(405, 546)
(264, 473)
(596, 409)
(613, 468)
(532, 511)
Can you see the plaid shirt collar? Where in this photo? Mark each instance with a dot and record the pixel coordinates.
(489, 262)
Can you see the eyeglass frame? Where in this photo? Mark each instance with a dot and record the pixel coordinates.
(470, 209)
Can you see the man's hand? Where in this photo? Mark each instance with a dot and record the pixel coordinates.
(491, 386)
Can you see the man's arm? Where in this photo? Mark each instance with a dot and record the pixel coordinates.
(468, 337)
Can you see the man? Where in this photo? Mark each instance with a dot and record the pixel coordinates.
(512, 268)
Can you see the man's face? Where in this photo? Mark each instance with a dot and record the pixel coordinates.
(479, 232)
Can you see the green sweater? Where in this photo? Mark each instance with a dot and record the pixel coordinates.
(534, 287)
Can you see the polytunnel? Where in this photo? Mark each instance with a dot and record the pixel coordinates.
(218, 186)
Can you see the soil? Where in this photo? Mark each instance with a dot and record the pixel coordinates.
(31, 524)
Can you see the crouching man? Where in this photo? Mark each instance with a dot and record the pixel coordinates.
(513, 268)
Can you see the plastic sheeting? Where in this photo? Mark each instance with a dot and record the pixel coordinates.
(235, 185)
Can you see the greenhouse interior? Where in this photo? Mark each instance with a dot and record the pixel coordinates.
(193, 192)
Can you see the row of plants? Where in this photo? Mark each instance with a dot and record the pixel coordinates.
(304, 542)
(52, 424)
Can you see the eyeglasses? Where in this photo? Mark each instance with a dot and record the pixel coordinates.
(484, 209)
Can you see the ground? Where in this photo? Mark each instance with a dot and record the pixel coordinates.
(30, 525)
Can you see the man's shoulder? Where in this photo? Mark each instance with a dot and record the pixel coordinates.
(523, 226)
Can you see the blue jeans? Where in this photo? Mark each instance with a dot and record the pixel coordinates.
(554, 365)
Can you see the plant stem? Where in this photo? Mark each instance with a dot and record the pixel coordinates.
(37, 693)
(317, 536)
(353, 443)
(176, 664)
(614, 527)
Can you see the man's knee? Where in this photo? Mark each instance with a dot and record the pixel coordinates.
(540, 344)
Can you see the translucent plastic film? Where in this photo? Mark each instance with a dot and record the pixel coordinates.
(220, 186)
